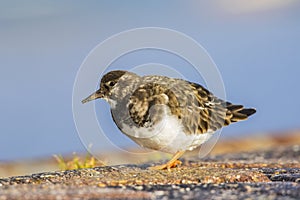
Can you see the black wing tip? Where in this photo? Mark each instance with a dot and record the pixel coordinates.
(248, 111)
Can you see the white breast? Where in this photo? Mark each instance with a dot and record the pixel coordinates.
(166, 136)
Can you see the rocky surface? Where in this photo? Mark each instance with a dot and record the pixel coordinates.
(267, 174)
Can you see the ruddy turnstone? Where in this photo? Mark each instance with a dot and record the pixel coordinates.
(165, 114)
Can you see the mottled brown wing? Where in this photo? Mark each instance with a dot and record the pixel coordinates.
(195, 107)
(209, 114)
(198, 110)
(148, 103)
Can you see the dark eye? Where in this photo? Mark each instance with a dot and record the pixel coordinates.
(112, 83)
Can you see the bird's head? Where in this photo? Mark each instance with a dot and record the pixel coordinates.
(107, 84)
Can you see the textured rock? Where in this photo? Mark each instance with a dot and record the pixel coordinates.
(269, 174)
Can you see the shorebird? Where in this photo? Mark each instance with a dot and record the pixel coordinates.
(166, 114)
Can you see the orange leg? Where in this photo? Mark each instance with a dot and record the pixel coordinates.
(172, 163)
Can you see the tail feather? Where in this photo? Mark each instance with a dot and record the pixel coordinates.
(237, 113)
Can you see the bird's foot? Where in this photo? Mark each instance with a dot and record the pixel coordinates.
(167, 166)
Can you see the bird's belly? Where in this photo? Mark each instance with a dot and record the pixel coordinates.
(167, 136)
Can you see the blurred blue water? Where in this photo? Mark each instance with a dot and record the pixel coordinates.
(42, 45)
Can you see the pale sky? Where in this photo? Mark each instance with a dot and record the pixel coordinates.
(43, 43)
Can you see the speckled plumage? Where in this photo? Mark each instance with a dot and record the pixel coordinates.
(146, 107)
